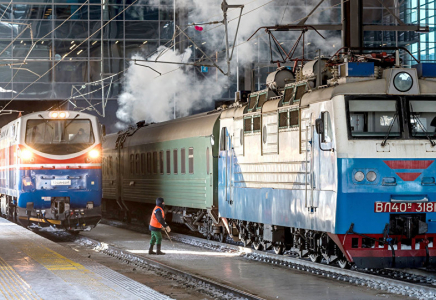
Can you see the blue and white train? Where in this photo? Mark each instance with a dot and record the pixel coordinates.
(50, 168)
(335, 161)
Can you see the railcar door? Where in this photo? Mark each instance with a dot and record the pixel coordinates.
(226, 157)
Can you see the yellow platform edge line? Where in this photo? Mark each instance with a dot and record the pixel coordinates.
(22, 287)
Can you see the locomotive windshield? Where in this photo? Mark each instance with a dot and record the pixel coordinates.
(59, 137)
(374, 118)
(422, 118)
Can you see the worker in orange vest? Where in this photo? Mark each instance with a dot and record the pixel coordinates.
(157, 221)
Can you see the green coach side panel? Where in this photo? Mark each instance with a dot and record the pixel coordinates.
(174, 160)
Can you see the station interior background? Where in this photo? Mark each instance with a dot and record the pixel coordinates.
(70, 57)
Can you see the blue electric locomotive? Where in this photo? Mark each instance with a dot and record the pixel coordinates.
(51, 170)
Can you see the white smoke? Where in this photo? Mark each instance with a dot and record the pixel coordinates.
(148, 96)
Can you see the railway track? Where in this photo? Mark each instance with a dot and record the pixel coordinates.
(420, 284)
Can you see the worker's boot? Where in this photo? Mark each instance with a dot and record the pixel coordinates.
(150, 250)
(158, 252)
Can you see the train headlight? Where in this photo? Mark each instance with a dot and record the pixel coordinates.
(26, 154)
(403, 81)
(59, 115)
(371, 176)
(212, 140)
(359, 176)
(94, 154)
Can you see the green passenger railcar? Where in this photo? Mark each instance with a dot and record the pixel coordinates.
(176, 160)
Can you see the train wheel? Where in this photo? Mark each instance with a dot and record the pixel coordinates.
(278, 249)
(258, 246)
(221, 237)
(343, 263)
(315, 258)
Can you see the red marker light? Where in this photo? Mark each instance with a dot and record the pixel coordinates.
(198, 28)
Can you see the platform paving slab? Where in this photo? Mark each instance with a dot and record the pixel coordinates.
(32, 267)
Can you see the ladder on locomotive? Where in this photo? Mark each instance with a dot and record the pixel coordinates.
(306, 149)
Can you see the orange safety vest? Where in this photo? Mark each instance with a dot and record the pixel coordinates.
(153, 221)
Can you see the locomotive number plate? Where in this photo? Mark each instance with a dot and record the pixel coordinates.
(380, 207)
(61, 182)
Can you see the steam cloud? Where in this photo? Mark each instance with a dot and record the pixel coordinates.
(148, 96)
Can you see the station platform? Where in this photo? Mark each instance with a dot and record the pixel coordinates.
(32, 267)
(264, 280)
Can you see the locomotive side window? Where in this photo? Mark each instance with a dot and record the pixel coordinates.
(154, 162)
(175, 161)
(283, 119)
(247, 125)
(138, 163)
(223, 139)
(191, 160)
(168, 162)
(132, 164)
(300, 90)
(374, 118)
(149, 162)
(294, 119)
(256, 123)
(142, 163)
(182, 161)
(161, 162)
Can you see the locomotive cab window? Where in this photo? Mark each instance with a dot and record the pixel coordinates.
(422, 118)
(252, 102)
(59, 137)
(374, 118)
(289, 93)
(299, 92)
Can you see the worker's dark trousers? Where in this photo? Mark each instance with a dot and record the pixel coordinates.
(156, 237)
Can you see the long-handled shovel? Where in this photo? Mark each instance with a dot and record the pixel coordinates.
(168, 236)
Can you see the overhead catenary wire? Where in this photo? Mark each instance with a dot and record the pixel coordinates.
(63, 57)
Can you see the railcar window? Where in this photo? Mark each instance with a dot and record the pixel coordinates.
(207, 161)
(299, 92)
(294, 118)
(191, 160)
(182, 161)
(422, 118)
(132, 164)
(149, 162)
(175, 161)
(155, 162)
(374, 118)
(161, 162)
(142, 163)
(59, 137)
(168, 162)
(110, 171)
(138, 163)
